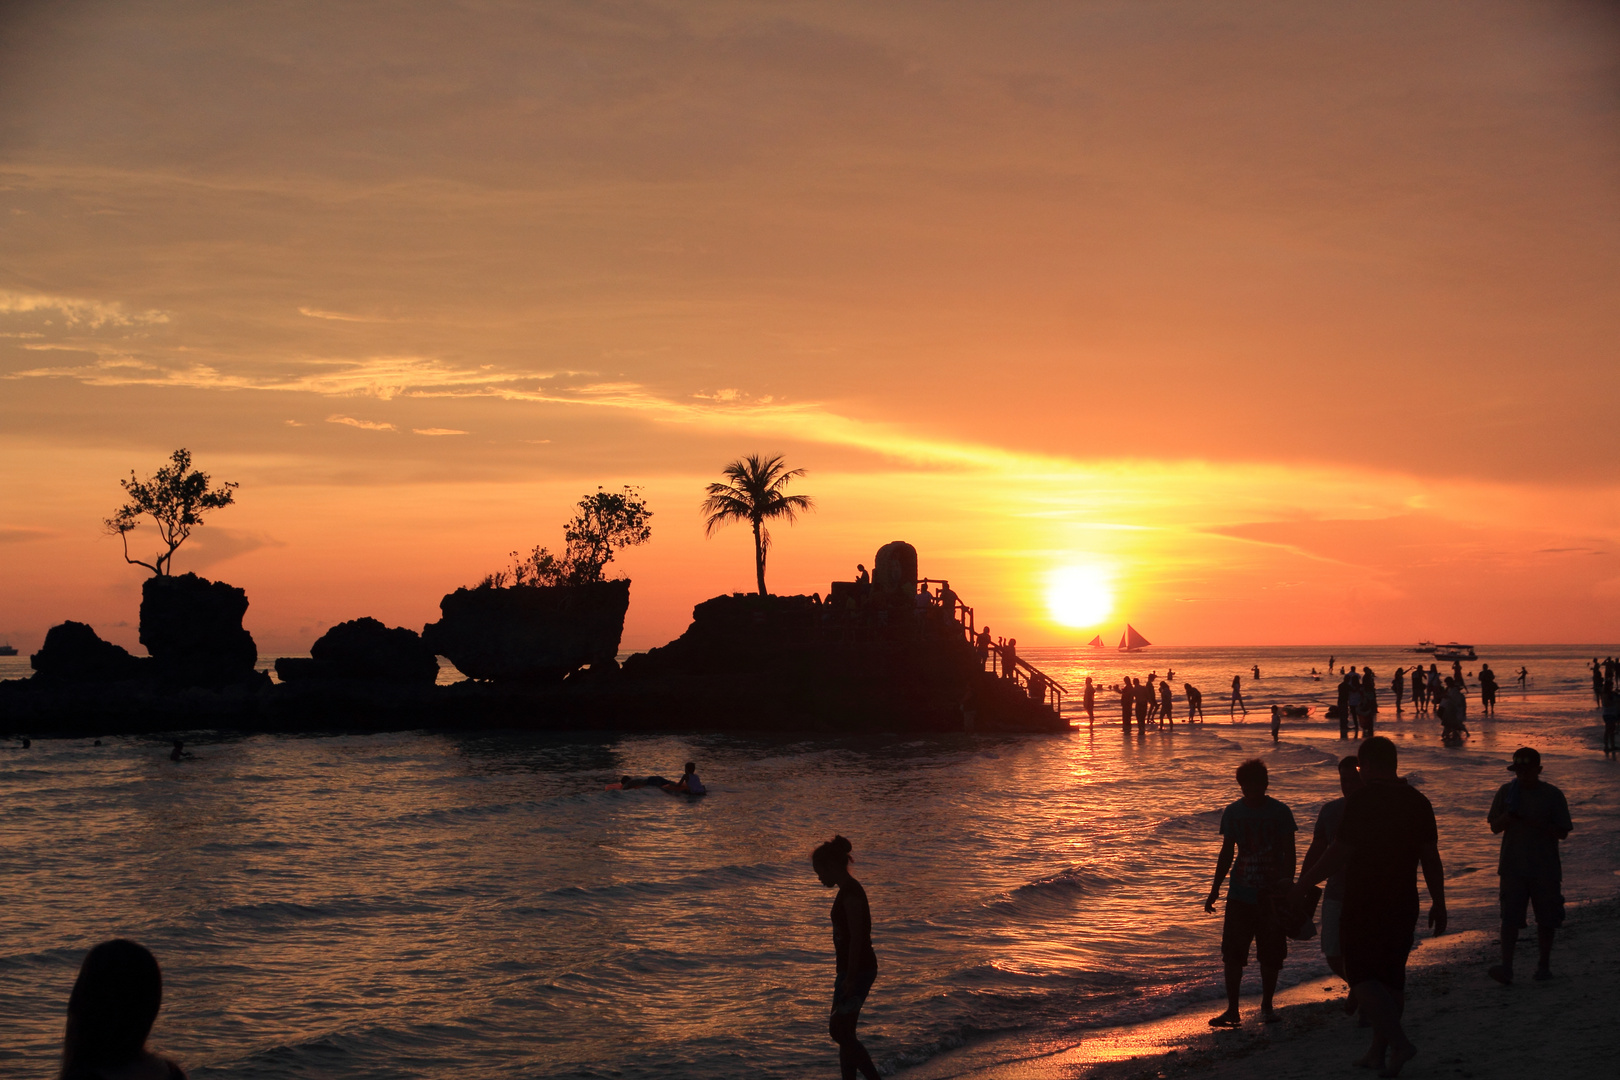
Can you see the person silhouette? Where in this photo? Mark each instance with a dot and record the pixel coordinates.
(1524, 676)
(1126, 692)
(1532, 816)
(1166, 716)
(179, 752)
(1397, 686)
(1257, 672)
(855, 959)
(981, 645)
(1369, 701)
(1089, 702)
(1009, 658)
(1611, 718)
(1195, 702)
(1237, 697)
(110, 1012)
(1260, 830)
(1487, 690)
(1276, 722)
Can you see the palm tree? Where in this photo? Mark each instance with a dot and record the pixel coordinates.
(753, 493)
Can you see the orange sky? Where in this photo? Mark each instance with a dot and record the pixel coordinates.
(1293, 323)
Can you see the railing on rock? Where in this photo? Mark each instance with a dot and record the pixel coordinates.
(993, 655)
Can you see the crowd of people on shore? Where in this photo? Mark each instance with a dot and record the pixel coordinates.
(1368, 847)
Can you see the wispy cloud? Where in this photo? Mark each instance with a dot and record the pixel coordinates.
(436, 431)
(77, 311)
(365, 425)
(339, 316)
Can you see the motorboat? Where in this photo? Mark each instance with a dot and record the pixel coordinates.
(1453, 651)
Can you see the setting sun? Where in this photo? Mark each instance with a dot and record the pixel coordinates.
(1079, 596)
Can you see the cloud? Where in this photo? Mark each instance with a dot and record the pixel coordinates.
(365, 425)
(436, 431)
(338, 316)
(23, 534)
(76, 311)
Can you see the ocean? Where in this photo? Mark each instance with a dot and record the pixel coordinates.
(428, 905)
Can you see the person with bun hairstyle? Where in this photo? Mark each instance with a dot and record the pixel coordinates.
(110, 1013)
(852, 946)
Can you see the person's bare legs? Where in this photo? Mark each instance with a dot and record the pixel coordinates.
(1383, 1007)
(1234, 988)
(852, 1056)
(1544, 944)
(1268, 987)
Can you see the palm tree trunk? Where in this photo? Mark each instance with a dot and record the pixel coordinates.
(759, 557)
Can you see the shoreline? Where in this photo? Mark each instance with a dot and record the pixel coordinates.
(1462, 1022)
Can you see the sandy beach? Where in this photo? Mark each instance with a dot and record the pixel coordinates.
(1464, 1024)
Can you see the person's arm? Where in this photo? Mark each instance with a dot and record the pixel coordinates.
(1222, 864)
(1434, 876)
(1562, 824)
(1285, 861)
(1498, 815)
(1336, 858)
(1319, 844)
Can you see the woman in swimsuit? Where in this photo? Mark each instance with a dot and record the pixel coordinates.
(852, 945)
(110, 1012)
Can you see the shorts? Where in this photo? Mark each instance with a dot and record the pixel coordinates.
(1257, 923)
(850, 989)
(1331, 911)
(1545, 895)
(1376, 945)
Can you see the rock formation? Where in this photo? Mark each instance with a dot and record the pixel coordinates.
(73, 653)
(530, 633)
(193, 629)
(895, 569)
(364, 649)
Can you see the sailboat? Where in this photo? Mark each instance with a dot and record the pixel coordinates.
(1097, 642)
(1131, 641)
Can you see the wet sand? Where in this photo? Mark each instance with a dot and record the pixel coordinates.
(1463, 1023)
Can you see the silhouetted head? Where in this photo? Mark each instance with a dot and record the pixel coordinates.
(1377, 758)
(1349, 774)
(1253, 778)
(625, 781)
(831, 861)
(115, 999)
(691, 767)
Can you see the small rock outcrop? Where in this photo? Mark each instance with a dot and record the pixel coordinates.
(530, 633)
(364, 649)
(193, 629)
(74, 653)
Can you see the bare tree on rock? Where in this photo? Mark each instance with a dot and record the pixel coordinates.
(175, 497)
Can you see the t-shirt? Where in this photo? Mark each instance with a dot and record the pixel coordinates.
(1327, 831)
(1528, 851)
(1258, 832)
(693, 784)
(1386, 825)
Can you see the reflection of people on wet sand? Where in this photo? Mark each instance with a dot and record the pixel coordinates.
(1387, 832)
(1237, 697)
(1261, 831)
(1327, 830)
(856, 961)
(1532, 817)
(1195, 702)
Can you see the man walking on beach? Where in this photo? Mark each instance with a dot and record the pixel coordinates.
(1328, 821)
(1261, 831)
(1388, 831)
(1532, 817)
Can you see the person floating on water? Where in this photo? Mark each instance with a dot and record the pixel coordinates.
(1237, 697)
(855, 959)
(1261, 832)
(689, 782)
(179, 753)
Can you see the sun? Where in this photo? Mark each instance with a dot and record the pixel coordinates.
(1079, 596)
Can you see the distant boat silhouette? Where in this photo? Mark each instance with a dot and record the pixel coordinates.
(8, 650)
(1097, 642)
(1131, 641)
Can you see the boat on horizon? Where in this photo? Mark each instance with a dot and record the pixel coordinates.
(1097, 642)
(8, 649)
(1131, 641)
(1424, 646)
(1453, 651)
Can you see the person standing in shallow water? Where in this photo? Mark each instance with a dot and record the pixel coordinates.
(855, 958)
(1089, 701)
(1237, 697)
(115, 1001)
(1261, 832)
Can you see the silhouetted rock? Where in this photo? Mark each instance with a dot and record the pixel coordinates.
(895, 569)
(193, 629)
(530, 633)
(74, 653)
(364, 649)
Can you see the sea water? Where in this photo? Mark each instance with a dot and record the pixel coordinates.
(431, 905)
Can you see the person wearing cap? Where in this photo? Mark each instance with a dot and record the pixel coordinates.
(1532, 816)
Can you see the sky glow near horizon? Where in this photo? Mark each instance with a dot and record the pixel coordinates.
(1300, 322)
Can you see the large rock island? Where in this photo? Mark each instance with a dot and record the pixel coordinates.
(893, 654)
